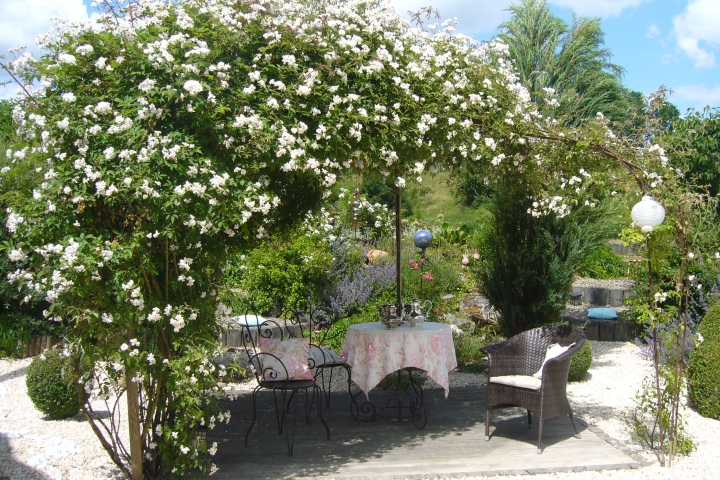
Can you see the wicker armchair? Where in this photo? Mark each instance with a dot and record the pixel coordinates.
(515, 366)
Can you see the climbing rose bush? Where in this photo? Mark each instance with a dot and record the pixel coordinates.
(172, 133)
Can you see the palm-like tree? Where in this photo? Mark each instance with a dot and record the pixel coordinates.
(571, 60)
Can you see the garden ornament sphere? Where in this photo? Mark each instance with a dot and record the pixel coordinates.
(423, 239)
(648, 214)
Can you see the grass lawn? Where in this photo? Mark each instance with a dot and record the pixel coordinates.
(434, 198)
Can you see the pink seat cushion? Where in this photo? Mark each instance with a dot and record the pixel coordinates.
(292, 353)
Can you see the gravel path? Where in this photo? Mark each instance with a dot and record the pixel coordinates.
(32, 447)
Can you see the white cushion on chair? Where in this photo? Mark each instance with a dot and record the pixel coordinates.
(553, 350)
(324, 356)
(522, 381)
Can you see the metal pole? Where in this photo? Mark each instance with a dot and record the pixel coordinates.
(397, 249)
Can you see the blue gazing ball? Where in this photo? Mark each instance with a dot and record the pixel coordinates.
(423, 239)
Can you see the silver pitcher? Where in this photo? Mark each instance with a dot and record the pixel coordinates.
(417, 305)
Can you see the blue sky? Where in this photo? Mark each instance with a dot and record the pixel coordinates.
(659, 42)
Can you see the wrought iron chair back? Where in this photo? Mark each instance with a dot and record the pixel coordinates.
(317, 327)
(272, 373)
(257, 359)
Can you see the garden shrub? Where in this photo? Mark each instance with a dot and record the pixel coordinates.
(467, 348)
(529, 260)
(350, 283)
(20, 317)
(603, 264)
(50, 385)
(286, 272)
(355, 290)
(451, 234)
(336, 335)
(580, 363)
(19, 326)
(430, 279)
(704, 366)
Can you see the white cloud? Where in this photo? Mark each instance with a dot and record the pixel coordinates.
(697, 93)
(697, 31)
(597, 8)
(652, 31)
(23, 20)
(475, 17)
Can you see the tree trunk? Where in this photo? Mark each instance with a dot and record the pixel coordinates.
(133, 399)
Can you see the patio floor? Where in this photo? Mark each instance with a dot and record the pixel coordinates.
(451, 445)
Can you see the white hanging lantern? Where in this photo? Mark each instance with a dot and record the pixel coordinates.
(648, 214)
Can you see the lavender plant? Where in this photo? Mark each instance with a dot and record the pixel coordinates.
(356, 290)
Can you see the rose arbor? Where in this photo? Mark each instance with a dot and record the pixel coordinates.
(174, 132)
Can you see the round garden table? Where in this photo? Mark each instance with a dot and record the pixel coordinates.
(373, 352)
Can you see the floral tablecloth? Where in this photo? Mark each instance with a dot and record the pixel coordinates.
(374, 352)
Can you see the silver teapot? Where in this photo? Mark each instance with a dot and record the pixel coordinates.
(389, 316)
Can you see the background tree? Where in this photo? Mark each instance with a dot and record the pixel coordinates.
(568, 73)
(694, 146)
(528, 260)
(570, 60)
(531, 259)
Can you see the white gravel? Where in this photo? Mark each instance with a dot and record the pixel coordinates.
(32, 447)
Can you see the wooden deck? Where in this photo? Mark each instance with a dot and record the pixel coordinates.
(451, 445)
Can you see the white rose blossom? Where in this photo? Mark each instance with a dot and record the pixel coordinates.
(193, 87)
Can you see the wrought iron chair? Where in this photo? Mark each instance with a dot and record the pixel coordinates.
(280, 364)
(317, 327)
(523, 373)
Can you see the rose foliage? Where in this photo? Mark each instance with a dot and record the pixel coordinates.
(173, 133)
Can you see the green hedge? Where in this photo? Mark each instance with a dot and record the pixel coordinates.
(16, 328)
(704, 366)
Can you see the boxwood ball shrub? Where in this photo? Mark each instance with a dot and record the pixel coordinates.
(704, 366)
(580, 363)
(50, 388)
